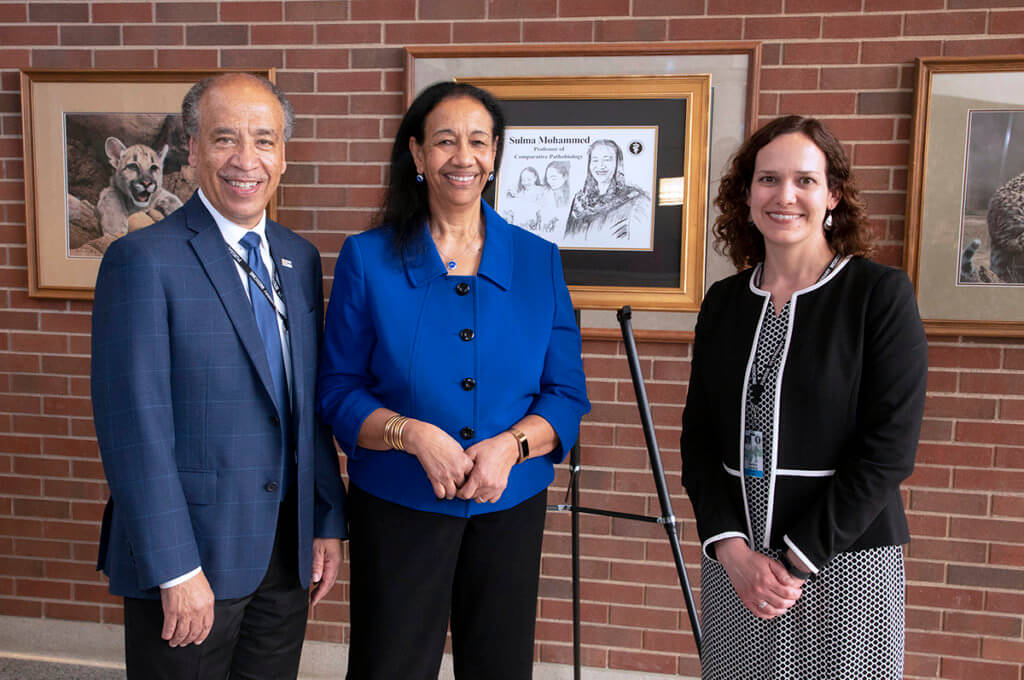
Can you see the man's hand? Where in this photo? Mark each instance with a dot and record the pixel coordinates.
(326, 562)
(188, 611)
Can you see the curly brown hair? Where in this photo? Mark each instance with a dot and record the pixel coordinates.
(735, 234)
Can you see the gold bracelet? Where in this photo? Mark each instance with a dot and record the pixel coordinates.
(399, 430)
(393, 428)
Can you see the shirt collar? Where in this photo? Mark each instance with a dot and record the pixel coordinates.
(232, 232)
(423, 263)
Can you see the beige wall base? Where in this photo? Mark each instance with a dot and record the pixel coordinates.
(102, 645)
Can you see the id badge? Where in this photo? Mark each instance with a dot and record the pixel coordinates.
(753, 453)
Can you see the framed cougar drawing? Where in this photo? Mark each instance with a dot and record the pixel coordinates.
(105, 154)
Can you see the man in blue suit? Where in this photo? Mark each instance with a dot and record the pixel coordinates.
(226, 500)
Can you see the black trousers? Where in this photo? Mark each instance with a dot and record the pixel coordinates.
(413, 571)
(257, 637)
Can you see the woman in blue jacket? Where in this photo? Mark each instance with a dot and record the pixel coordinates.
(452, 378)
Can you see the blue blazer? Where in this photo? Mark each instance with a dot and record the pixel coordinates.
(188, 430)
(469, 354)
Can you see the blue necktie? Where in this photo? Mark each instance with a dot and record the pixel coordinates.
(266, 320)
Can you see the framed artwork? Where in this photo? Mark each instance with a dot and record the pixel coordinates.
(604, 267)
(614, 169)
(105, 154)
(965, 198)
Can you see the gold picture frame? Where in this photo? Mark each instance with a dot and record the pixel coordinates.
(677, 107)
(67, 118)
(965, 152)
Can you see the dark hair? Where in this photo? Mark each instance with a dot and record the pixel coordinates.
(536, 176)
(405, 203)
(190, 104)
(735, 234)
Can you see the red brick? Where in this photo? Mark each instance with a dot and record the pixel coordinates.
(190, 58)
(317, 58)
(818, 103)
(982, 4)
(186, 12)
(58, 12)
(220, 34)
(1008, 531)
(124, 58)
(943, 643)
(418, 33)
(895, 5)
(1002, 650)
(393, 9)
(14, 607)
(644, 662)
(745, 7)
(969, 670)
(593, 8)
(636, 30)
(671, 8)
(282, 34)
(12, 12)
(28, 35)
(1009, 555)
(451, 9)
(486, 31)
(982, 624)
(782, 27)
(159, 35)
(947, 550)
(122, 12)
(952, 503)
(979, 48)
(899, 51)
(1006, 22)
(324, 10)
(1008, 506)
(962, 356)
(817, 53)
(250, 12)
(992, 433)
(945, 23)
(819, 6)
(863, 26)
(558, 31)
(348, 33)
(859, 78)
(251, 58)
(989, 480)
(72, 612)
(888, 154)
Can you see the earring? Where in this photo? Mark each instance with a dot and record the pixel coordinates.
(490, 177)
(419, 177)
(828, 220)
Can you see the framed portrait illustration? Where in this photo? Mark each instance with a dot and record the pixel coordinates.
(614, 170)
(105, 154)
(965, 200)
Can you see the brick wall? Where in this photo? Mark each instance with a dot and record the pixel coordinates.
(848, 61)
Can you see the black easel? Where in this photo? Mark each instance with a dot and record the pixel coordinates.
(667, 518)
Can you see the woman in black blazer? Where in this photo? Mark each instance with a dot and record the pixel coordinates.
(802, 417)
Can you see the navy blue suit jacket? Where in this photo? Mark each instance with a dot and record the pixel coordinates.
(188, 430)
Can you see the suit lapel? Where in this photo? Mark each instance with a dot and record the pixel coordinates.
(212, 252)
(291, 285)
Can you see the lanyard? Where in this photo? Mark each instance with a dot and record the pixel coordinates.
(259, 284)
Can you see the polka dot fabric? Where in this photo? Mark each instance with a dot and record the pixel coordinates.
(848, 623)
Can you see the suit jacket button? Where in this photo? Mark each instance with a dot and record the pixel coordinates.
(468, 384)
(466, 433)
(275, 421)
(270, 487)
(466, 334)
(462, 288)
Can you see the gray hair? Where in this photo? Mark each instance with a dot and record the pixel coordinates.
(190, 104)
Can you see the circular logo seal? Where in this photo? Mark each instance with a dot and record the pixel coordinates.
(636, 148)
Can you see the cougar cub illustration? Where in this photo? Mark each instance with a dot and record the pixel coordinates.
(136, 186)
(1006, 230)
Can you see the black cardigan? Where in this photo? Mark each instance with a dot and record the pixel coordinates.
(848, 413)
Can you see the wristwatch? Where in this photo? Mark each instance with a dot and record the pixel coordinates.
(793, 570)
(524, 444)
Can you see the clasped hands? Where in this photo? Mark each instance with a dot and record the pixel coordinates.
(758, 579)
(478, 473)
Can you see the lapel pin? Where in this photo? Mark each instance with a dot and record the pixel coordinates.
(285, 262)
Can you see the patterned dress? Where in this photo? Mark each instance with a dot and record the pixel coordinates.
(849, 621)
